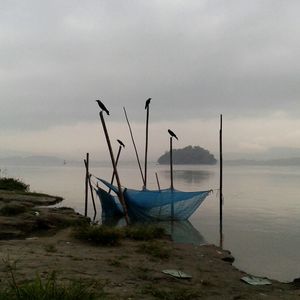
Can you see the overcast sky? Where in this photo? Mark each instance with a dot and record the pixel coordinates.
(196, 59)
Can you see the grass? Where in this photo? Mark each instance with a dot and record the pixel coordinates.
(47, 289)
(111, 236)
(155, 249)
(144, 232)
(98, 234)
(12, 184)
(50, 289)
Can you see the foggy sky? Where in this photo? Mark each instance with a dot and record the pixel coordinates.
(196, 59)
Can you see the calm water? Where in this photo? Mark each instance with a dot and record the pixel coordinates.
(261, 207)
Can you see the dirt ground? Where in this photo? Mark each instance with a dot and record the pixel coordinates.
(127, 272)
(132, 270)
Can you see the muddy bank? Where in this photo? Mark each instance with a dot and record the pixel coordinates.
(132, 270)
(23, 214)
(129, 272)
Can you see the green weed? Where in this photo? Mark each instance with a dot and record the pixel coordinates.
(12, 184)
(155, 249)
(98, 234)
(50, 289)
(144, 232)
(111, 236)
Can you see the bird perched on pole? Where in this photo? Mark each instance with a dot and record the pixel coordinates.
(102, 106)
(121, 143)
(147, 103)
(172, 134)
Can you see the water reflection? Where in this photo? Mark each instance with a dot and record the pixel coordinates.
(180, 231)
(183, 232)
(189, 176)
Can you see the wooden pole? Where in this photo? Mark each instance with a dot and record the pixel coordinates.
(171, 162)
(92, 195)
(113, 175)
(120, 193)
(171, 172)
(221, 183)
(136, 153)
(91, 188)
(86, 162)
(146, 148)
(157, 181)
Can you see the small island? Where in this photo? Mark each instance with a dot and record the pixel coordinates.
(189, 155)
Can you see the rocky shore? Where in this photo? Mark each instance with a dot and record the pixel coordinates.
(36, 239)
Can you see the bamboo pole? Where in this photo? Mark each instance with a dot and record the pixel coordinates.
(86, 162)
(171, 162)
(157, 181)
(146, 148)
(120, 193)
(93, 199)
(113, 175)
(91, 188)
(171, 173)
(136, 153)
(221, 182)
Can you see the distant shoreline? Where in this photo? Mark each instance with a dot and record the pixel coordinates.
(268, 162)
(55, 161)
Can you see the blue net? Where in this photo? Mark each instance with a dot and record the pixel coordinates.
(148, 205)
(111, 207)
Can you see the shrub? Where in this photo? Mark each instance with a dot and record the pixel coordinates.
(155, 250)
(48, 289)
(98, 234)
(12, 184)
(144, 232)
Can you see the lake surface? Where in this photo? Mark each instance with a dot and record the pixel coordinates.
(261, 207)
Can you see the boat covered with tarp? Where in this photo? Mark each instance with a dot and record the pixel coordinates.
(150, 205)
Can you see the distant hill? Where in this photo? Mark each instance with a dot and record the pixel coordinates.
(32, 160)
(188, 155)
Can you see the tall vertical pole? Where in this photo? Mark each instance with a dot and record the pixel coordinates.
(120, 193)
(146, 148)
(92, 195)
(171, 162)
(221, 183)
(86, 161)
(171, 174)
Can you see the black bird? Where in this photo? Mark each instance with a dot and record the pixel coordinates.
(147, 103)
(172, 134)
(121, 143)
(102, 106)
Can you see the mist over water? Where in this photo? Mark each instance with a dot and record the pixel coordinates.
(261, 206)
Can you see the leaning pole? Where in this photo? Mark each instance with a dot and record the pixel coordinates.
(120, 193)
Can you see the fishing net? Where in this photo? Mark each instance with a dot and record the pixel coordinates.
(148, 205)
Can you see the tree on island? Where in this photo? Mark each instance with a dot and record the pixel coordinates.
(188, 155)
